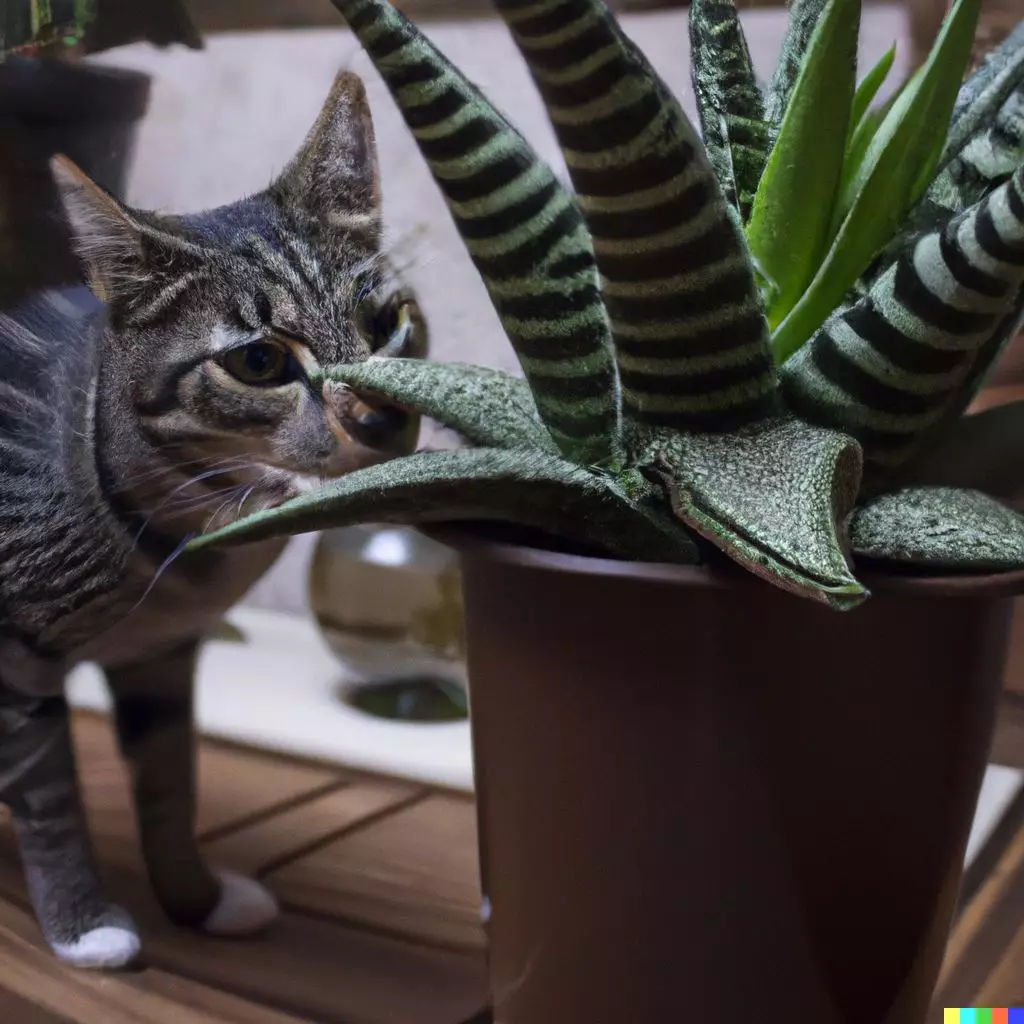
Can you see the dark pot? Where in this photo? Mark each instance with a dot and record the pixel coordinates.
(703, 799)
(87, 112)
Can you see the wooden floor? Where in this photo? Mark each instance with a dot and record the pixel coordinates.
(984, 963)
(378, 880)
(379, 883)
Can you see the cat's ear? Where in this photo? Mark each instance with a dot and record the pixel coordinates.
(115, 246)
(334, 178)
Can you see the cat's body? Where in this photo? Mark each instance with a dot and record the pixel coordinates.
(191, 393)
(90, 595)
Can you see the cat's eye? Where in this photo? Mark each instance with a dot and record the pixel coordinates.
(261, 364)
(387, 328)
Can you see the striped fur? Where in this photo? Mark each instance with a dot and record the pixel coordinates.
(885, 370)
(803, 20)
(729, 100)
(122, 433)
(687, 321)
(522, 229)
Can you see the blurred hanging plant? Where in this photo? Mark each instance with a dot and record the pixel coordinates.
(68, 28)
(671, 406)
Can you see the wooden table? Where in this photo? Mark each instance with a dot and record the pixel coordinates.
(378, 879)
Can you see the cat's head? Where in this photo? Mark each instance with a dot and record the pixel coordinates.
(219, 324)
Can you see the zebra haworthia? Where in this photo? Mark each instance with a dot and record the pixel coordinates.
(523, 231)
(729, 100)
(803, 19)
(885, 370)
(686, 317)
(986, 145)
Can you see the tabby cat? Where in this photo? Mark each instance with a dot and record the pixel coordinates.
(180, 389)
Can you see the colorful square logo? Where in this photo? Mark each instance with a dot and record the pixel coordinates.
(983, 1015)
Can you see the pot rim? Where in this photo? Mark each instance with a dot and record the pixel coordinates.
(51, 91)
(467, 541)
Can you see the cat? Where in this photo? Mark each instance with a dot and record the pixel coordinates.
(177, 390)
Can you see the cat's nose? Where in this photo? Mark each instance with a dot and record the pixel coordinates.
(370, 422)
(376, 426)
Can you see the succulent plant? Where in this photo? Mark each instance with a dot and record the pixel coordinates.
(760, 344)
(61, 28)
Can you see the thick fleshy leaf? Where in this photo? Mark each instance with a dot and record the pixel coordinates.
(985, 91)
(803, 19)
(896, 169)
(986, 359)
(487, 407)
(869, 86)
(729, 101)
(886, 370)
(775, 497)
(789, 229)
(530, 489)
(982, 452)
(862, 135)
(522, 228)
(983, 163)
(940, 528)
(685, 311)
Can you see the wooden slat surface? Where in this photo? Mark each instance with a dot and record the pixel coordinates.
(276, 840)
(315, 965)
(379, 880)
(413, 873)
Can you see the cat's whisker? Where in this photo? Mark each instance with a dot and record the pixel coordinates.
(212, 518)
(164, 566)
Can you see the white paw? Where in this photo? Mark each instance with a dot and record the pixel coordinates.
(245, 906)
(107, 946)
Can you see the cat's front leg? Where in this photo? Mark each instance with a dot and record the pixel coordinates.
(154, 706)
(39, 783)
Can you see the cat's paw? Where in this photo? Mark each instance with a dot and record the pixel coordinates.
(111, 945)
(245, 906)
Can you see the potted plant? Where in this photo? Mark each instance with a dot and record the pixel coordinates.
(704, 795)
(53, 102)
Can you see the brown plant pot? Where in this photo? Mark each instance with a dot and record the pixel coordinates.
(703, 799)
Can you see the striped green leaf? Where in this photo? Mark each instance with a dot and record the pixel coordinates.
(889, 369)
(523, 231)
(983, 163)
(940, 528)
(685, 312)
(487, 407)
(985, 92)
(729, 100)
(523, 488)
(789, 225)
(896, 169)
(803, 19)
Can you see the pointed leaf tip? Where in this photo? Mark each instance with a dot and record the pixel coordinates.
(487, 407)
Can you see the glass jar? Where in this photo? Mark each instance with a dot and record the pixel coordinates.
(388, 601)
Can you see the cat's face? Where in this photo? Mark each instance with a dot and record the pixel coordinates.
(221, 323)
